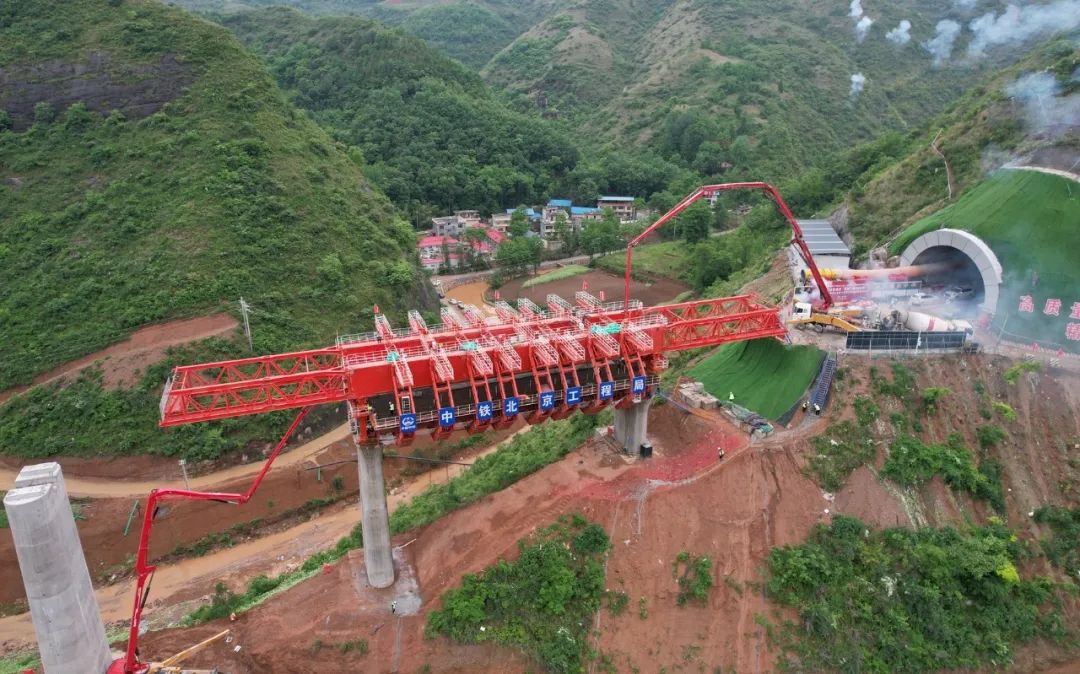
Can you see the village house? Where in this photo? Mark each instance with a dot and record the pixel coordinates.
(623, 207)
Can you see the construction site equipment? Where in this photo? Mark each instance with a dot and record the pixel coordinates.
(710, 191)
(917, 321)
(804, 316)
(172, 665)
(144, 571)
(467, 374)
(824, 384)
(530, 362)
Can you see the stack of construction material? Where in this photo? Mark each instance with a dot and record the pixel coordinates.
(759, 425)
(693, 394)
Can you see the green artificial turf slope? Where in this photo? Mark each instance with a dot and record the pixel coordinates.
(764, 375)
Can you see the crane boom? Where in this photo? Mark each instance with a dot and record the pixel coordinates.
(707, 191)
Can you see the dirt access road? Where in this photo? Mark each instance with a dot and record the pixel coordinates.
(121, 362)
(84, 487)
(179, 586)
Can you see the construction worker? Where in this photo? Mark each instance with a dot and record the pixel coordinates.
(805, 405)
(817, 409)
(393, 607)
(719, 453)
(731, 396)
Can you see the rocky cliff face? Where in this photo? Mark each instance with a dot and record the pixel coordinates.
(101, 83)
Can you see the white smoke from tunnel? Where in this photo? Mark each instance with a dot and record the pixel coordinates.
(862, 28)
(1046, 111)
(941, 45)
(901, 34)
(858, 83)
(1021, 23)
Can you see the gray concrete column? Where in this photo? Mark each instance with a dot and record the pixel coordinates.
(64, 610)
(378, 557)
(631, 425)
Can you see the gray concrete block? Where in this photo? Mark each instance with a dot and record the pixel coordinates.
(631, 425)
(63, 608)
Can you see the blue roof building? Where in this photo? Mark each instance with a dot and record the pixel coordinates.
(583, 210)
(529, 213)
(560, 203)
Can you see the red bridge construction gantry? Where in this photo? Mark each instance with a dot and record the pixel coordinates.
(472, 371)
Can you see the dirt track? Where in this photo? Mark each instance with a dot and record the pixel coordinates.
(80, 487)
(189, 579)
(121, 362)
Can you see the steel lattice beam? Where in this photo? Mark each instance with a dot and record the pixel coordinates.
(389, 361)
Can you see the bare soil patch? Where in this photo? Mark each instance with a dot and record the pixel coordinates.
(121, 363)
(658, 292)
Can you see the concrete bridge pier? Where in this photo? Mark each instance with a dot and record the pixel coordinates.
(631, 425)
(378, 555)
(63, 608)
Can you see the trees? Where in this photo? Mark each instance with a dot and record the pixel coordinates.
(694, 222)
(601, 236)
(519, 222)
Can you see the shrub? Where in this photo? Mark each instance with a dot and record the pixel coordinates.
(1005, 411)
(989, 435)
(931, 396)
(542, 602)
(1012, 375)
(694, 575)
(840, 450)
(617, 602)
(906, 601)
(1063, 548)
(866, 411)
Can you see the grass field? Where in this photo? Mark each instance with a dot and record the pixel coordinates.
(1032, 222)
(556, 275)
(764, 375)
(668, 259)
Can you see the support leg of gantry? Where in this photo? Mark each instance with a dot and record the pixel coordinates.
(378, 554)
(631, 425)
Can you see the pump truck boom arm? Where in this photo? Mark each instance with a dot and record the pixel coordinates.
(707, 191)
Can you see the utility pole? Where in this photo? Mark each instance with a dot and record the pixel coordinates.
(244, 309)
(183, 469)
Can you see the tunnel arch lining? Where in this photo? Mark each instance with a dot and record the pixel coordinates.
(971, 246)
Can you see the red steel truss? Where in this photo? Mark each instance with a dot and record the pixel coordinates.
(489, 356)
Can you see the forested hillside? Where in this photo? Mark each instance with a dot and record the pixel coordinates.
(716, 88)
(1009, 116)
(150, 168)
(431, 133)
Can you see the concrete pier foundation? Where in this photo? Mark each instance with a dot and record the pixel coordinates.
(631, 424)
(64, 610)
(378, 555)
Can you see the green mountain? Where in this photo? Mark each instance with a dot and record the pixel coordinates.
(728, 88)
(432, 134)
(979, 132)
(150, 168)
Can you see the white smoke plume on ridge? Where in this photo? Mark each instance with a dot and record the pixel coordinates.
(941, 45)
(1021, 23)
(863, 27)
(856, 9)
(1047, 113)
(965, 4)
(858, 83)
(901, 34)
